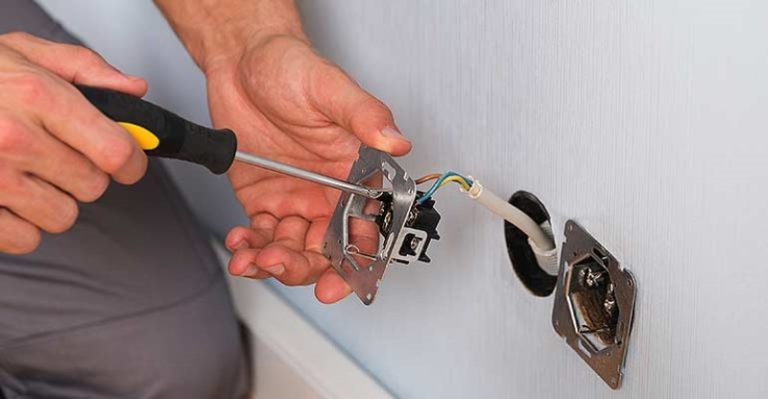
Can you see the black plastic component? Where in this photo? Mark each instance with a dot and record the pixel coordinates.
(384, 218)
(422, 217)
(179, 138)
(524, 262)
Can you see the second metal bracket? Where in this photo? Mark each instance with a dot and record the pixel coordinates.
(594, 304)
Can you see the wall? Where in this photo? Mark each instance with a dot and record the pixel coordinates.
(644, 120)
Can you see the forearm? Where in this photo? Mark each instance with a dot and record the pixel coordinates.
(215, 30)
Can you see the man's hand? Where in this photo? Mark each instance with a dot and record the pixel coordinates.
(55, 147)
(288, 104)
(285, 103)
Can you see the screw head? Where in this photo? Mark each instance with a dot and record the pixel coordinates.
(415, 241)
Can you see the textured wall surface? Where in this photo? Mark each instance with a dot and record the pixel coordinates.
(645, 120)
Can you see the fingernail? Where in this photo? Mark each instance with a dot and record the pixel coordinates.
(275, 270)
(240, 245)
(251, 271)
(393, 134)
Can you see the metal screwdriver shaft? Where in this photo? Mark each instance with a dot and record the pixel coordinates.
(160, 132)
(307, 175)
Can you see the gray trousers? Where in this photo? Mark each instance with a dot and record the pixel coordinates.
(130, 303)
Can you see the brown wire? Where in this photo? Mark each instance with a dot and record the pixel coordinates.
(424, 179)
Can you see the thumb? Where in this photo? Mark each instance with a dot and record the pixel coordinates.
(75, 64)
(344, 102)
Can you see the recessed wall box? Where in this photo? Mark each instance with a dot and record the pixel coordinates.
(594, 304)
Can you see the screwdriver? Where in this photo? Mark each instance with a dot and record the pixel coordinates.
(162, 133)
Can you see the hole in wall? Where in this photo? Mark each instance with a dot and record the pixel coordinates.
(524, 262)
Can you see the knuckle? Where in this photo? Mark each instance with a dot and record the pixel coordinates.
(94, 188)
(16, 36)
(12, 134)
(11, 184)
(366, 110)
(65, 217)
(117, 154)
(294, 279)
(31, 88)
(25, 237)
(376, 107)
(27, 243)
(86, 55)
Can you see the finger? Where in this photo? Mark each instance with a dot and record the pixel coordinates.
(81, 66)
(67, 115)
(291, 233)
(63, 167)
(269, 197)
(282, 258)
(364, 235)
(260, 233)
(37, 202)
(265, 222)
(345, 103)
(243, 264)
(291, 267)
(242, 237)
(331, 288)
(316, 235)
(246, 243)
(17, 236)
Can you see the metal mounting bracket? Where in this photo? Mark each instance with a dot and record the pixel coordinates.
(345, 257)
(594, 304)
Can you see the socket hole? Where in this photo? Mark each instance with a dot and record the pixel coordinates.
(594, 307)
(524, 262)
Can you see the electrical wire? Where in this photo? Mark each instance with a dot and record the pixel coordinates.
(540, 240)
(462, 181)
(426, 178)
(465, 182)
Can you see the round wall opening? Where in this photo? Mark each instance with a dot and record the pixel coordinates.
(524, 262)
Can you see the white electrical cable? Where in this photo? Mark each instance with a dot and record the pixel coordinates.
(511, 214)
(547, 260)
(540, 241)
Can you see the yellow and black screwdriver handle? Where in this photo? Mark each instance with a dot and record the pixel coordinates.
(162, 133)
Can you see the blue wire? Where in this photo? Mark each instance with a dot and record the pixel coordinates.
(429, 193)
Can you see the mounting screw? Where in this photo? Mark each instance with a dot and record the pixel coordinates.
(415, 241)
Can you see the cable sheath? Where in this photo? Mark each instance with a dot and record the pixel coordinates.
(513, 215)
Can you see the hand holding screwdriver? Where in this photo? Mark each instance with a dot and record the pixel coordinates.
(55, 147)
(162, 133)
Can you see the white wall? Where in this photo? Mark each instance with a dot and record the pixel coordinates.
(644, 120)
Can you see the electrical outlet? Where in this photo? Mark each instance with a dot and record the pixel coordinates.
(594, 304)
